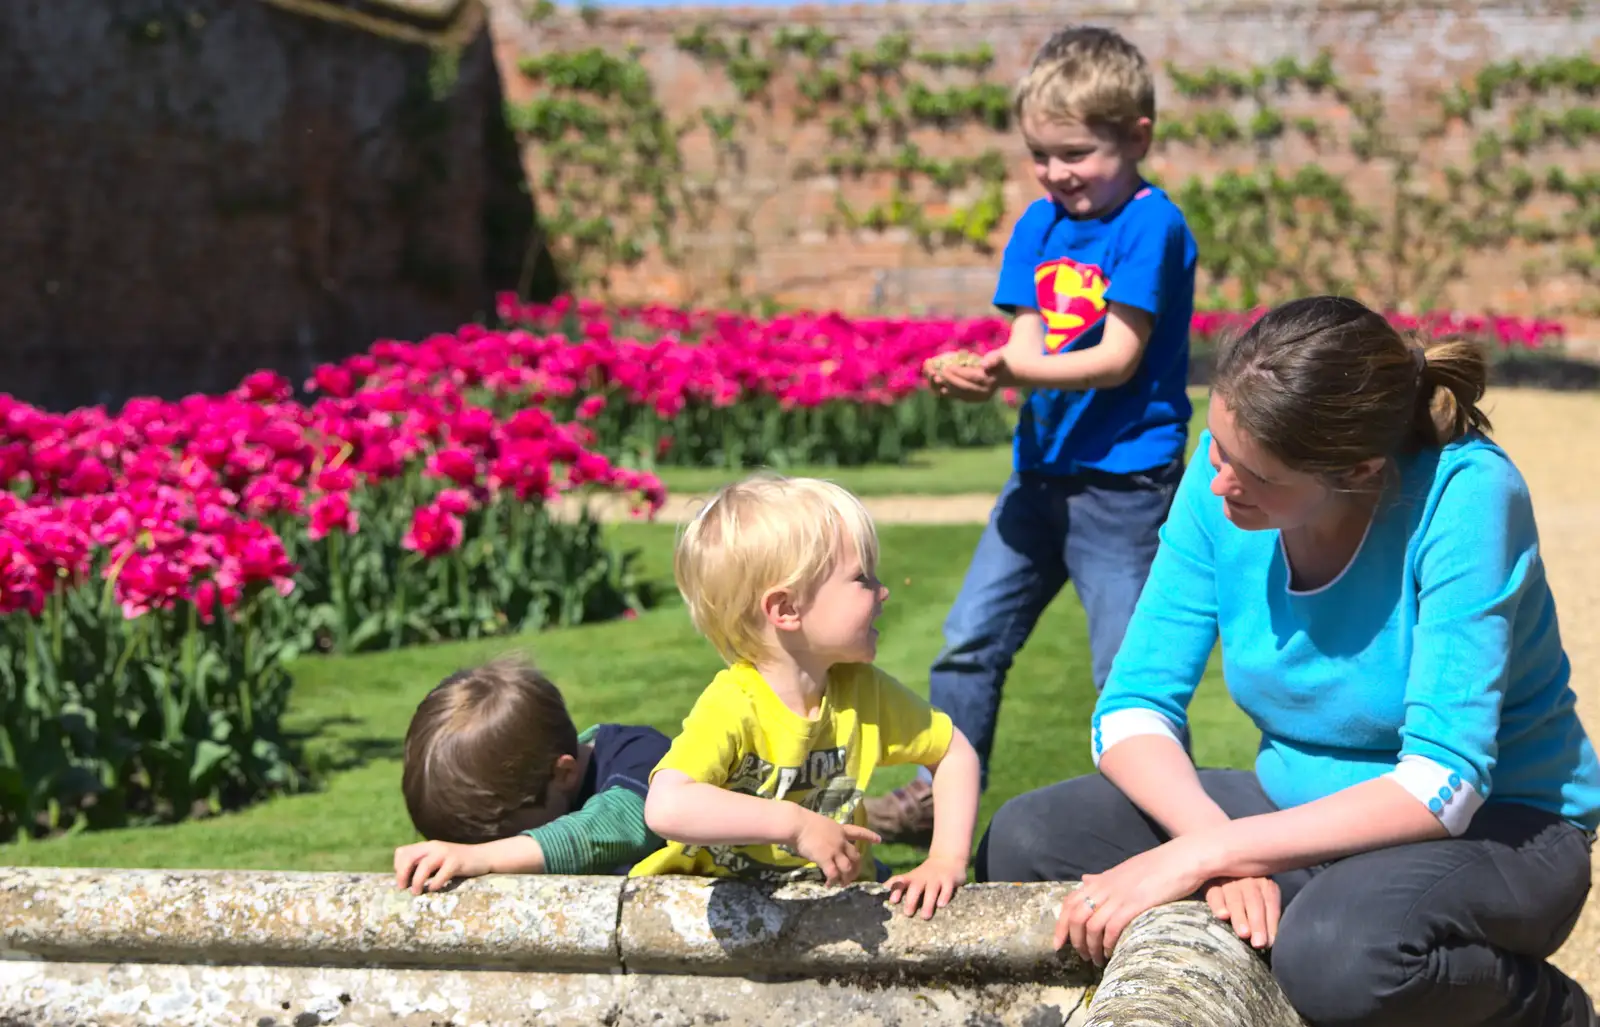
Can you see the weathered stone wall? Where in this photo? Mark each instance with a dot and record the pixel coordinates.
(791, 246)
(94, 948)
(195, 190)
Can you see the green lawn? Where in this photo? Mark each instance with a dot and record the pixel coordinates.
(648, 670)
(932, 472)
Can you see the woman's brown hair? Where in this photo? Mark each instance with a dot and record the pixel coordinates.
(481, 746)
(1325, 383)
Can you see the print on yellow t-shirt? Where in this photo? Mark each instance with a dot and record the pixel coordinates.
(741, 737)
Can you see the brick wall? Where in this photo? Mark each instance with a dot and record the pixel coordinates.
(1401, 51)
(195, 190)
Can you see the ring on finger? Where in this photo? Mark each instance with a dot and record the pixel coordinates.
(1088, 900)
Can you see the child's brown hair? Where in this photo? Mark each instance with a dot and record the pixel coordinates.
(482, 746)
(1087, 74)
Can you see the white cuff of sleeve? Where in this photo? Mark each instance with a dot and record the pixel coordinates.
(1442, 790)
(1119, 724)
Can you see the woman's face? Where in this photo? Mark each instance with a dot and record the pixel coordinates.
(1258, 492)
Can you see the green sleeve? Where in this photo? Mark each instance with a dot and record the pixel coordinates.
(607, 832)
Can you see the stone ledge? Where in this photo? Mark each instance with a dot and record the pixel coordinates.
(994, 933)
(115, 948)
(533, 923)
(1178, 964)
(175, 995)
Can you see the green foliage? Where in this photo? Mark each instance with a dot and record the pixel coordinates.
(909, 163)
(760, 432)
(887, 56)
(1268, 234)
(986, 102)
(1532, 127)
(972, 224)
(519, 570)
(107, 721)
(1266, 124)
(1217, 127)
(1220, 83)
(809, 41)
(1579, 74)
(979, 58)
(444, 68)
(613, 163)
(872, 104)
(551, 119)
(593, 71)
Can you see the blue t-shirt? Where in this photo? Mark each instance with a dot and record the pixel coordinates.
(1143, 255)
(622, 757)
(1434, 657)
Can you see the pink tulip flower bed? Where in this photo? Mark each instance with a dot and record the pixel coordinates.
(664, 386)
(159, 567)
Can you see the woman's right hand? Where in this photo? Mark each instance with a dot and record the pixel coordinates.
(1251, 904)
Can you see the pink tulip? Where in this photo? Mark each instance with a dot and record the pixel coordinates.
(332, 512)
(434, 531)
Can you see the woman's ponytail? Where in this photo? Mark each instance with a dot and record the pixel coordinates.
(1452, 376)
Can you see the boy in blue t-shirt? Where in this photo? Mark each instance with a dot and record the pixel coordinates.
(1099, 279)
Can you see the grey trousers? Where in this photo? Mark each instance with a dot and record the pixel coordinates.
(1453, 933)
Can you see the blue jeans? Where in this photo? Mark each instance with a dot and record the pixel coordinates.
(1097, 530)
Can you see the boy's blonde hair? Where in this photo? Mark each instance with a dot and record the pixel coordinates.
(1090, 76)
(762, 533)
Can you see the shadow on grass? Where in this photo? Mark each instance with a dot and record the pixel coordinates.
(326, 750)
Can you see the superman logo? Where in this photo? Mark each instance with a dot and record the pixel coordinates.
(1072, 299)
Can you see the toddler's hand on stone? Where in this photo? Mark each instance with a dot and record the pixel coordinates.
(934, 883)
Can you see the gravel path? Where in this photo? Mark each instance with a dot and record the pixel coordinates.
(1555, 440)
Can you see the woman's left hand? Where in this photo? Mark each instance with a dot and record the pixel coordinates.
(1094, 916)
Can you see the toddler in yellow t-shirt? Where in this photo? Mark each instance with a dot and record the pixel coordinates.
(765, 781)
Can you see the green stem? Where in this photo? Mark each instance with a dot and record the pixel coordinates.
(336, 583)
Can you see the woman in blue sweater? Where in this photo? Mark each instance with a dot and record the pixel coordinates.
(1424, 797)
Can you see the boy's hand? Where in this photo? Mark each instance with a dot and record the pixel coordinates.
(934, 883)
(971, 383)
(830, 845)
(998, 367)
(432, 865)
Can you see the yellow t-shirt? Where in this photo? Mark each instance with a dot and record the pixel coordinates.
(740, 736)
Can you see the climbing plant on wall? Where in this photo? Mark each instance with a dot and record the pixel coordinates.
(616, 185)
(1366, 211)
(609, 162)
(874, 100)
(1321, 186)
